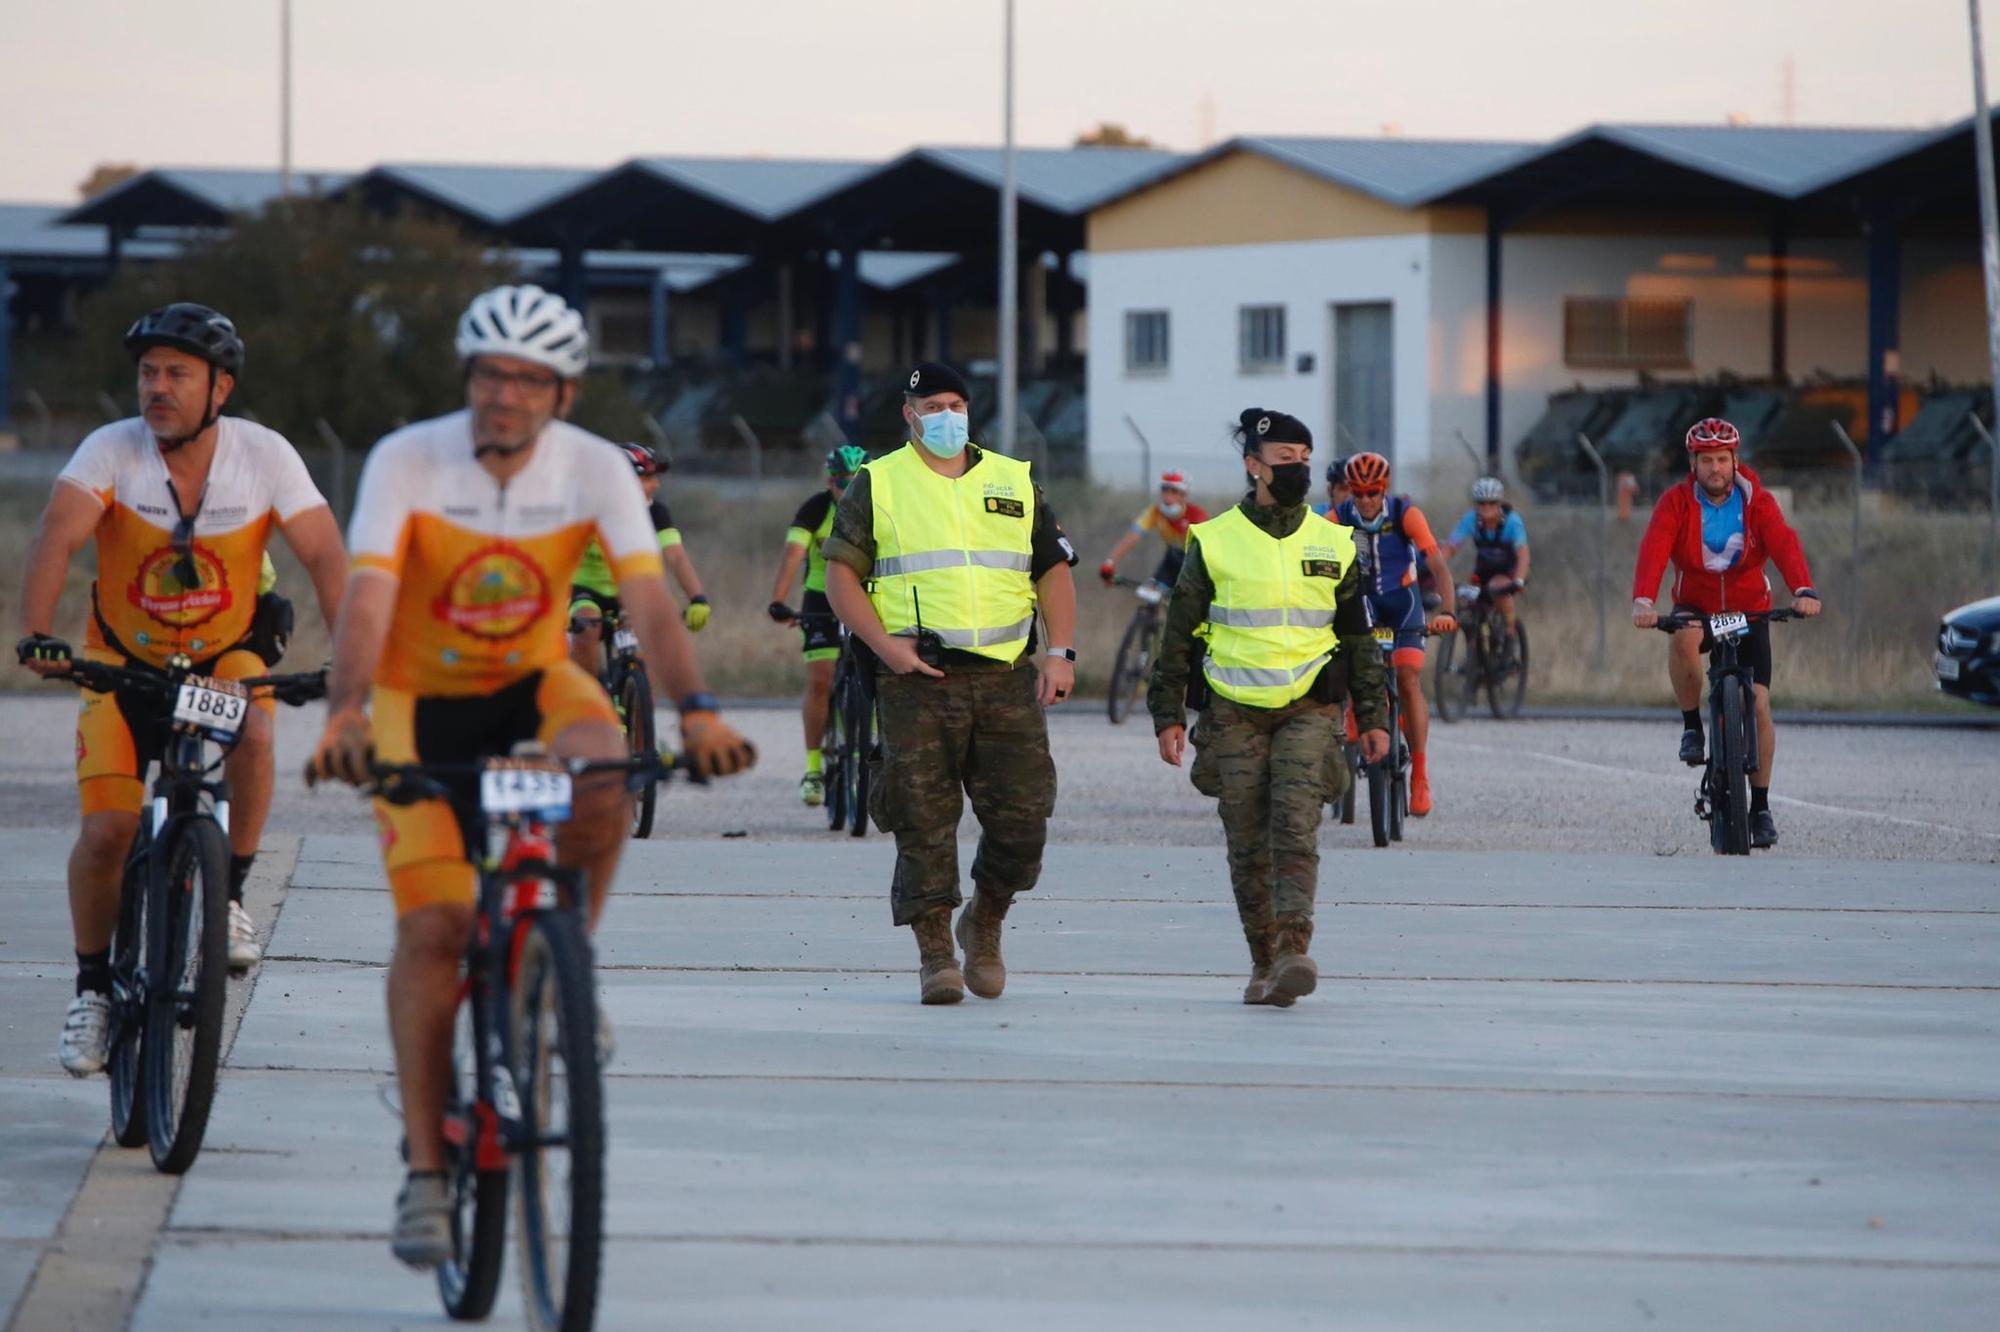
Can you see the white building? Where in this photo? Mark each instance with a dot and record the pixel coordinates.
(1347, 282)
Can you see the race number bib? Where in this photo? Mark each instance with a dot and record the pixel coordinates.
(624, 640)
(1385, 635)
(1729, 624)
(1150, 593)
(520, 789)
(215, 707)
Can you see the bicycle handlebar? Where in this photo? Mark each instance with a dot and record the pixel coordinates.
(1674, 622)
(407, 783)
(103, 678)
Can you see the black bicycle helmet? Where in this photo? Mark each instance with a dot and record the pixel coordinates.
(194, 329)
(1336, 472)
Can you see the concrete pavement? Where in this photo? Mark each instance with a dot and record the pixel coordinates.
(1537, 1091)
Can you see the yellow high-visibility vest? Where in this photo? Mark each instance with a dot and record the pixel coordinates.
(954, 553)
(1270, 624)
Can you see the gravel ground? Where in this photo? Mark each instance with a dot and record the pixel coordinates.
(1841, 792)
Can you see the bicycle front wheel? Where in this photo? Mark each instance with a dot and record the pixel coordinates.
(859, 737)
(635, 699)
(1125, 671)
(833, 752)
(1520, 669)
(186, 979)
(125, 1061)
(1443, 683)
(1380, 799)
(1732, 757)
(559, 1169)
(469, 1280)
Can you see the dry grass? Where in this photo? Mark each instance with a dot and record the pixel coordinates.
(1915, 565)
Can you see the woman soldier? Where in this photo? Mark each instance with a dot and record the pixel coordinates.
(1269, 605)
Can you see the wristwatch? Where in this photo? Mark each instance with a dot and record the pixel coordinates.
(1067, 654)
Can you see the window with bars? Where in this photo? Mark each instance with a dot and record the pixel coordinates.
(1260, 337)
(1145, 339)
(1620, 333)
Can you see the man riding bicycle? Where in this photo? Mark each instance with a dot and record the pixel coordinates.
(818, 625)
(1499, 546)
(1167, 517)
(467, 531)
(1391, 535)
(593, 589)
(181, 502)
(1719, 528)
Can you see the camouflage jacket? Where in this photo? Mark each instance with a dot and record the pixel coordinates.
(1357, 657)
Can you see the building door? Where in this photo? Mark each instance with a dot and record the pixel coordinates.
(1364, 379)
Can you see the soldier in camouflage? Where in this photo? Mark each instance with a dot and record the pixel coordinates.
(1264, 754)
(961, 712)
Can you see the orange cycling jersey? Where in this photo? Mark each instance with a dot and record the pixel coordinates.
(1173, 531)
(143, 594)
(484, 569)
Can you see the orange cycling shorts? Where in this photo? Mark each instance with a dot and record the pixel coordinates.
(119, 735)
(423, 845)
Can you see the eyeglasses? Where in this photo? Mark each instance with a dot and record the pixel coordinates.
(492, 379)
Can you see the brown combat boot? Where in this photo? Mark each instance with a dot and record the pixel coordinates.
(1293, 975)
(941, 980)
(978, 933)
(1258, 991)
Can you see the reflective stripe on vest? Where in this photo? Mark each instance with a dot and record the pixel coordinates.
(1270, 623)
(955, 553)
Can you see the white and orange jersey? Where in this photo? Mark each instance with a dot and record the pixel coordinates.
(256, 479)
(485, 569)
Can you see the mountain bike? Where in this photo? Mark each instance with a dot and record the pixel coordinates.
(527, 1095)
(1388, 778)
(624, 678)
(852, 729)
(1134, 662)
(1491, 664)
(1723, 798)
(170, 948)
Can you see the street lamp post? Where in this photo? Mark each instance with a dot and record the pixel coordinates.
(1010, 274)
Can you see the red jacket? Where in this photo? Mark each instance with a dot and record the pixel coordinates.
(1675, 534)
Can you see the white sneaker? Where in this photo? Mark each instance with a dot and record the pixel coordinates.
(243, 950)
(86, 1033)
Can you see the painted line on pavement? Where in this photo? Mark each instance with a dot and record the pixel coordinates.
(94, 1270)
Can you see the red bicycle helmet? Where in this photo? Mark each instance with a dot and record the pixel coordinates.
(1712, 433)
(1368, 474)
(645, 461)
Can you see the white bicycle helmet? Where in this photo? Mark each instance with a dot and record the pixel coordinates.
(527, 322)
(1487, 489)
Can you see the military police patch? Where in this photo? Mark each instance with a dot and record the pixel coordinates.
(1006, 508)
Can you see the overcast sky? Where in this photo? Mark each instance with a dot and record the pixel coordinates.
(591, 82)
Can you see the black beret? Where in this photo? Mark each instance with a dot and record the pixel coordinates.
(1260, 425)
(936, 377)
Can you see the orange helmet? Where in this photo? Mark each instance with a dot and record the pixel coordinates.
(1368, 474)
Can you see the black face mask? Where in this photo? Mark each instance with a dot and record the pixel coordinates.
(1289, 482)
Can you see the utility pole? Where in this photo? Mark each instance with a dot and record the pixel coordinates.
(285, 97)
(1010, 265)
(1989, 231)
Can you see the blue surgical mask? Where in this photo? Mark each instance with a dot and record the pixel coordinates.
(945, 433)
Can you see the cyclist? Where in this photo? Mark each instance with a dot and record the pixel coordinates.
(594, 588)
(1336, 489)
(1718, 528)
(818, 625)
(1499, 546)
(1168, 517)
(1392, 535)
(180, 501)
(466, 530)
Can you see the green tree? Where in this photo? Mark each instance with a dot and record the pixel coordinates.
(348, 316)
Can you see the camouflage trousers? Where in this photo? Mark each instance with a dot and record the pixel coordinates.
(1268, 768)
(977, 734)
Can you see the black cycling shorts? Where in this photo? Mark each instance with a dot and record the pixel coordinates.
(819, 626)
(1754, 651)
(1168, 571)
